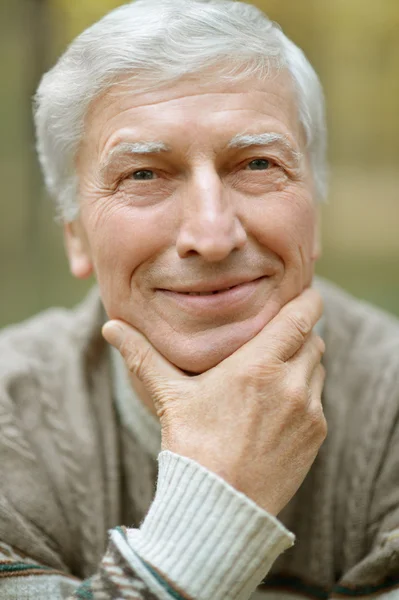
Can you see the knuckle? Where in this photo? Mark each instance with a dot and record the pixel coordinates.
(323, 428)
(320, 344)
(136, 358)
(299, 396)
(132, 359)
(125, 349)
(144, 360)
(257, 373)
(318, 422)
(300, 323)
(319, 377)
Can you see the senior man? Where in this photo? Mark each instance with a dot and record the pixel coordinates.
(184, 144)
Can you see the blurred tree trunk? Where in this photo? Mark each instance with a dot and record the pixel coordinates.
(37, 49)
(37, 31)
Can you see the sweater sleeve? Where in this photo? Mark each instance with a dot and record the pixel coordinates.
(201, 539)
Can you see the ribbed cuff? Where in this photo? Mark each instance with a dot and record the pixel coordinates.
(206, 538)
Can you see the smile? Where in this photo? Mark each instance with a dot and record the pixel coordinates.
(203, 302)
(209, 293)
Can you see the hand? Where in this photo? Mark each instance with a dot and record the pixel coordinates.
(256, 418)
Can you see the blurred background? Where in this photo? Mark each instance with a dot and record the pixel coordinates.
(354, 46)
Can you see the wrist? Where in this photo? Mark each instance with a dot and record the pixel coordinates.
(206, 538)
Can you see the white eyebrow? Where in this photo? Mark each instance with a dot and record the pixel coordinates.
(139, 148)
(246, 140)
(133, 148)
(243, 140)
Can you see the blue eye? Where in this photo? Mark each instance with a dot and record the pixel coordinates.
(141, 175)
(259, 164)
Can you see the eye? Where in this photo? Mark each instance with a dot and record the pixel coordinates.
(142, 175)
(259, 164)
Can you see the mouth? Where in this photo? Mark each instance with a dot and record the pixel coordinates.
(207, 289)
(212, 292)
(217, 298)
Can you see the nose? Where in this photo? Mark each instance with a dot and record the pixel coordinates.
(210, 226)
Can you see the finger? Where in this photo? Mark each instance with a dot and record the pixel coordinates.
(140, 356)
(317, 384)
(287, 332)
(307, 358)
(294, 323)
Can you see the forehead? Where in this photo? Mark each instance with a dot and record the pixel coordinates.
(194, 109)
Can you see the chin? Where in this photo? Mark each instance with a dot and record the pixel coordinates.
(201, 361)
(204, 351)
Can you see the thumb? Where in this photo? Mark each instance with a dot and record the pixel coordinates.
(140, 356)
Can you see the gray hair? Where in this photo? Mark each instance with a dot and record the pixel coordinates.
(157, 42)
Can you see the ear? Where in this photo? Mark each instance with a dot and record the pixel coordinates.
(316, 252)
(77, 249)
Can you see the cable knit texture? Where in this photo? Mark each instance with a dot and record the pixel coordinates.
(78, 477)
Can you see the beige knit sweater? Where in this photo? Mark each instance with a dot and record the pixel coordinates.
(78, 472)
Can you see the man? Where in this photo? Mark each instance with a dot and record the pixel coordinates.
(184, 144)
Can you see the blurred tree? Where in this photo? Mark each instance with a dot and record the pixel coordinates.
(76, 16)
(354, 47)
(38, 32)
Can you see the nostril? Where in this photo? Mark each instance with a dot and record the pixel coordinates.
(213, 240)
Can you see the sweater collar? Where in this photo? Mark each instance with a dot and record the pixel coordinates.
(135, 416)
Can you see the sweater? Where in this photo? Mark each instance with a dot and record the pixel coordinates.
(89, 509)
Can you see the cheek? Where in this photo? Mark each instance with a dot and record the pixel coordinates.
(121, 241)
(285, 223)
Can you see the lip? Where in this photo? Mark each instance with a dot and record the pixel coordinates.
(215, 286)
(237, 295)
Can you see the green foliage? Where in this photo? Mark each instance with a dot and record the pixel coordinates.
(354, 46)
(77, 15)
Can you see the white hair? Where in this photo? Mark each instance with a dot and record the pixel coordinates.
(156, 42)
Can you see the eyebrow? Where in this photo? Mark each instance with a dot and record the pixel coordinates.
(240, 140)
(136, 148)
(247, 140)
(132, 148)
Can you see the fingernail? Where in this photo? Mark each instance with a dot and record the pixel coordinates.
(113, 332)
